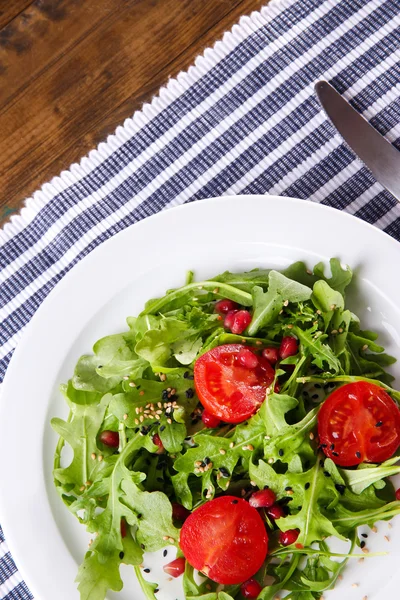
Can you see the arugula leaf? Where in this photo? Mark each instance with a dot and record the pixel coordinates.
(95, 580)
(268, 304)
(341, 277)
(365, 475)
(322, 354)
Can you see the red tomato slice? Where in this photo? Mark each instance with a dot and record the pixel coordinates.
(226, 539)
(359, 422)
(227, 389)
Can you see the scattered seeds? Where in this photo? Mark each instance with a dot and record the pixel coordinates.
(386, 538)
(354, 585)
(93, 456)
(100, 457)
(125, 416)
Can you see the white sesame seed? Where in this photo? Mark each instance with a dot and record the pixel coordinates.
(137, 410)
(365, 598)
(271, 461)
(100, 457)
(81, 488)
(365, 347)
(132, 384)
(159, 404)
(253, 483)
(311, 436)
(340, 330)
(222, 451)
(365, 550)
(386, 538)
(93, 456)
(125, 416)
(290, 326)
(267, 437)
(163, 376)
(165, 538)
(215, 291)
(250, 447)
(157, 417)
(333, 306)
(361, 560)
(169, 421)
(136, 421)
(286, 303)
(309, 272)
(231, 445)
(334, 331)
(126, 377)
(141, 418)
(354, 585)
(374, 529)
(390, 526)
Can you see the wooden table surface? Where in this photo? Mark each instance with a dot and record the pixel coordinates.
(71, 71)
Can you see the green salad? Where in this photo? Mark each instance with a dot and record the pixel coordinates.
(242, 421)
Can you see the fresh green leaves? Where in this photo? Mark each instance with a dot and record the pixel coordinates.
(140, 383)
(267, 305)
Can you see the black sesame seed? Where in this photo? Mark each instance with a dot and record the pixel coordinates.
(146, 570)
(121, 555)
(358, 454)
(186, 374)
(299, 507)
(323, 445)
(315, 396)
(340, 488)
(156, 590)
(318, 386)
(362, 544)
(307, 485)
(162, 427)
(288, 488)
(321, 463)
(139, 516)
(305, 394)
(235, 501)
(364, 535)
(165, 553)
(266, 487)
(164, 395)
(206, 461)
(332, 446)
(205, 492)
(335, 453)
(280, 452)
(327, 474)
(332, 385)
(379, 424)
(194, 421)
(224, 472)
(189, 393)
(136, 429)
(143, 547)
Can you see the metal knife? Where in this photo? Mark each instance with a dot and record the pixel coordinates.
(382, 159)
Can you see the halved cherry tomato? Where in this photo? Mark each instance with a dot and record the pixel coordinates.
(359, 422)
(226, 539)
(226, 388)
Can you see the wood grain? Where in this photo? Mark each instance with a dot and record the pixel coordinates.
(72, 70)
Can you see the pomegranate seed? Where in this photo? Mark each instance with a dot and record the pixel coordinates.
(123, 528)
(179, 512)
(286, 538)
(288, 347)
(209, 420)
(229, 319)
(225, 306)
(157, 441)
(398, 494)
(271, 354)
(246, 358)
(176, 567)
(262, 499)
(275, 512)
(250, 589)
(277, 388)
(109, 438)
(241, 321)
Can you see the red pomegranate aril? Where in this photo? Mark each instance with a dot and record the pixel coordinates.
(241, 321)
(157, 441)
(179, 512)
(109, 438)
(275, 512)
(288, 347)
(176, 567)
(277, 388)
(271, 354)
(286, 538)
(123, 528)
(209, 420)
(229, 319)
(262, 499)
(224, 306)
(250, 589)
(398, 494)
(246, 358)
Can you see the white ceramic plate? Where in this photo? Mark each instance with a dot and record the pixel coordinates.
(114, 281)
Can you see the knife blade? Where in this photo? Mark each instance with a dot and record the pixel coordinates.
(382, 159)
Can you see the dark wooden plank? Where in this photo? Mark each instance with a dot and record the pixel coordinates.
(9, 9)
(75, 100)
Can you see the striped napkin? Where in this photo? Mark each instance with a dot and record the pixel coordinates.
(243, 120)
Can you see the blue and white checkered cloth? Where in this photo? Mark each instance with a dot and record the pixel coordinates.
(243, 120)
